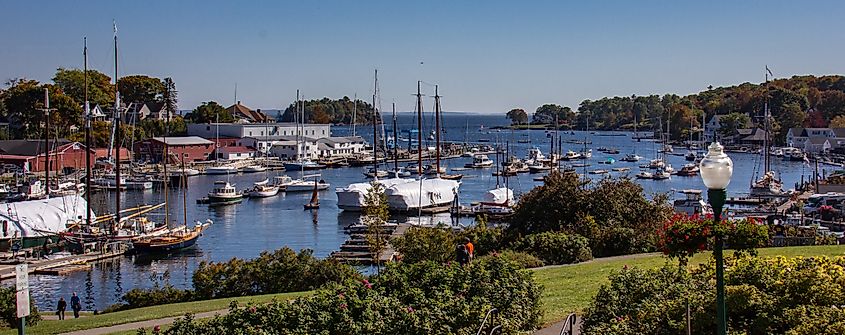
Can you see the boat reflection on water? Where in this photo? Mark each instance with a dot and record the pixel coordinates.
(151, 258)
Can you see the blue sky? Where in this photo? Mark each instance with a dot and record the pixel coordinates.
(487, 56)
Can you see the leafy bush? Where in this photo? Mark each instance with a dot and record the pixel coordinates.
(420, 244)
(555, 248)
(601, 212)
(684, 235)
(420, 298)
(9, 309)
(485, 239)
(763, 296)
(167, 294)
(281, 271)
(521, 259)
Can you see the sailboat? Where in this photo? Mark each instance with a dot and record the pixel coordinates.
(301, 162)
(496, 202)
(315, 199)
(633, 157)
(352, 197)
(429, 195)
(439, 170)
(220, 168)
(768, 185)
(264, 188)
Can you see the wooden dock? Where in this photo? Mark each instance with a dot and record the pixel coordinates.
(59, 266)
(356, 250)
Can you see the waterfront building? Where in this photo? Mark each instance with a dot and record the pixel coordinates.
(243, 130)
(28, 155)
(246, 115)
(801, 138)
(286, 148)
(712, 128)
(232, 153)
(340, 146)
(190, 148)
(148, 110)
(817, 145)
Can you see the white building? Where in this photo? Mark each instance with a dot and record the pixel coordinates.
(242, 130)
(712, 128)
(286, 148)
(340, 146)
(234, 153)
(817, 145)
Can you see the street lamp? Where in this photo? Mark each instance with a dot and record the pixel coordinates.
(716, 169)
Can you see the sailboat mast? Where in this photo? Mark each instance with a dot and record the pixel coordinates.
(395, 144)
(166, 153)
(437, 129)
(375, 128)
(766, 162)
(47, 141)
(184, 185)
(354, 112)
(419, 129)
(117, 130)
(296, 125)
(87, 136)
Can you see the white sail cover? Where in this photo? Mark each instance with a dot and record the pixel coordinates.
(498, 195)
(421, 194)
(352, 196)
(37, 218)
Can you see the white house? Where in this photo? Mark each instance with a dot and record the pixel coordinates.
(233, 153)
(242, 130)
(712, 128)
(286, 148)
(817, 145)
(340, 146)
(794, 137)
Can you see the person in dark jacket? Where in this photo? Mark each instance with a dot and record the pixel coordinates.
(461, 254)
(75, 305)
(60, 309)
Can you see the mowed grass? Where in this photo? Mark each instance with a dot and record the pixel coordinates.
(146, 313)
(570, 288)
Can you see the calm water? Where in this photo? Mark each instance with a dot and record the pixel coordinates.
(247, 229)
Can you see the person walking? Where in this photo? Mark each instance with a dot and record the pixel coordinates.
(75, 305)
(461, 254)
(60, 309)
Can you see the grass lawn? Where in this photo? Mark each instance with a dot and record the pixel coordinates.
(570, 288)
(146, 313)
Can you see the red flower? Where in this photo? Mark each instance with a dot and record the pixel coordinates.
(343, 306)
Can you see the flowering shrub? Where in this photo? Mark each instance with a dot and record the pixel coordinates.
(556, 247)
(684, 235)
(801, 295)
(421, 298)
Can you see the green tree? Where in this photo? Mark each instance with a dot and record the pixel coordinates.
(326, 110)
(209, 112)
(72, 82)
(169, 97)
(517, 116)
(140, 89)
(733, 121)
(545, 114)
(832, 104)
(26, 97)
(375, 214)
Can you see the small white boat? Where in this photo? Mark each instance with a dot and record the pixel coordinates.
(571, 155)
(598, 172)
(586, 154)
(620, 169)
(303, 185)
(222, 169)
(224, 193)
(656, 163)
(480, 161)
(254, 168)
(661, 174)
(375, 173)
(633, 158)
(645, 175)
(400, 173)
(282, 182)
(303, 165)
(263, 189)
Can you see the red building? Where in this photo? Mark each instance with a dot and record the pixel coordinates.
(28, 155)
(191, 148)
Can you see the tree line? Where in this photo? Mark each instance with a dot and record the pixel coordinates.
(339, 111)
(799, 101)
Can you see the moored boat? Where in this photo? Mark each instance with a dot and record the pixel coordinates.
(178, 238)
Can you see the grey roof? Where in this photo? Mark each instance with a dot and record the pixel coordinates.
(185, 140)
(758, 135)
(839, 132)
(26, 147)
(342, 139)
(818, 140)
(796, 131)
(806, 131)
(745, 131)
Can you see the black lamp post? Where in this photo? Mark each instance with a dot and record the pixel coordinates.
(716, 170)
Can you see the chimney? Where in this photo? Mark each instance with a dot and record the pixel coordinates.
(239, 102)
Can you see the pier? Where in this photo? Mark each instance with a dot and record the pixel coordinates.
(60, 266)
(356, 250)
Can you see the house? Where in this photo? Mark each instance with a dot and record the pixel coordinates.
(97, 113)
(28, 155)
(243, 130)
(838, 140)
(753, 137)
(148, 110)
(817, 145)
(340, 146)
(188, 148)
(244, 114)
(712, 128)
(286, 148)
(235, 153)
(794, 137)
(263, 144)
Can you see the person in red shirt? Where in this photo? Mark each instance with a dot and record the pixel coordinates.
(470, 248)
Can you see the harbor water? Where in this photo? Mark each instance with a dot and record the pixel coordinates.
(245, 230)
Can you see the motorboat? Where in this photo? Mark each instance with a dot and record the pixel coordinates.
(661, 174)
(793, 154)
(690, 156)
(431, 170)
(263, 189)
(537, 168)
(224, 193)
(688, 170)
(633, 158)
(303, 165)
(644, 175)
(253, 168)
(599, 171)
(692, 203)
(666, 148)
(767, 186)
(571, 155)
(534, 156)
(67, 188)
(375, 173)
(282, 182)
(586, 154)
(656, 163)
(220, 170)
(304, 185)
(400, 173)
(480, 161)
(496, 202)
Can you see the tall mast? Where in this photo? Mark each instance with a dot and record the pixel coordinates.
(87, 137)
(46, 111)
(375, 129)
(296, 126)
(766, 162)
(395, 144)
(354, 112)
(166, 153)
(437, 129)
(117, 129)
(419, 129)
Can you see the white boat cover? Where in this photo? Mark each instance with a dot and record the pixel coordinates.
(37, 218)
(352, 196)
(498, 195)
(421, 194)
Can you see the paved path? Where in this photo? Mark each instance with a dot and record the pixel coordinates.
(142, 324)
(555, 328)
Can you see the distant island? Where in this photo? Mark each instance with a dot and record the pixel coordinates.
(326, 110)
(799, 101)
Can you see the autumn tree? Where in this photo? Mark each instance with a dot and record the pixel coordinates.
(733, 121)
(517, 116)
(25, 98)
(838, 122)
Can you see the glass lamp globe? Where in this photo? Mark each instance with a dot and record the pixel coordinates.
(716, 168)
